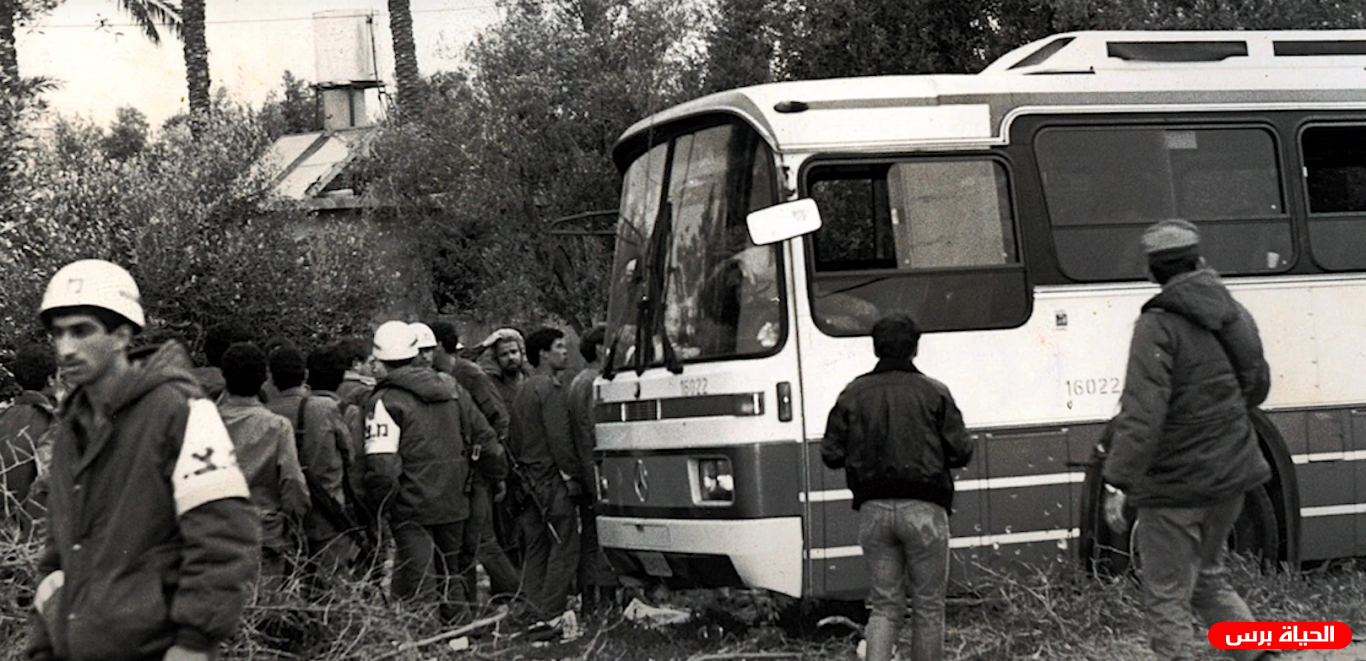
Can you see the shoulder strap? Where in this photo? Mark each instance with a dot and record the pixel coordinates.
(299, 420)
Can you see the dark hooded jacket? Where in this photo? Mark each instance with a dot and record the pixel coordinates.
(21, 427)
(151, 534)
(1183, 437)
(419, 434)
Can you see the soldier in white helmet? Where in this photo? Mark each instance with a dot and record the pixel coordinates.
(419, 434)
(152, 539)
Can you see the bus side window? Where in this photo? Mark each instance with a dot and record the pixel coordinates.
(933, 237)
(1103, 185)
(1335, 178)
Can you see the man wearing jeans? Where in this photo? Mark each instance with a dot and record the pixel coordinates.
(897, 433)
(1184, 452)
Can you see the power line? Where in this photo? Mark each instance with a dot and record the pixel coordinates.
(106, 24)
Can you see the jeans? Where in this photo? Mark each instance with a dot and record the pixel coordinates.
(427, 565)
(1181, 549)
(905, 541)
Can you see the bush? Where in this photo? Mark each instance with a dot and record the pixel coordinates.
(183, 215)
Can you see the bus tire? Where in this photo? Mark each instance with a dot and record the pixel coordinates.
(1256, 533)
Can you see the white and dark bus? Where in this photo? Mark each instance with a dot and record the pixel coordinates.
(763, 230)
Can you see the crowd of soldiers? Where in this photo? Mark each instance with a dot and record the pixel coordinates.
(396, 459)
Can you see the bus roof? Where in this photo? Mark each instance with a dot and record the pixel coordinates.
(1066, 72)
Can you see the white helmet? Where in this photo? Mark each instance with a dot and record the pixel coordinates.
(95, 283)
(426, 338)
(395, 340)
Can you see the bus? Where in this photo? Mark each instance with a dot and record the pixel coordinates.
(763, 230)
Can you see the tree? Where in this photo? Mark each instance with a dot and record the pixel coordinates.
(742, 48)
(196, 49)
(1206, 15)
(406, 77)
(127, 136)
(147, 15)
(184, 216)
(18, 94)
(293, 109)
(877, 37)
(525, 137)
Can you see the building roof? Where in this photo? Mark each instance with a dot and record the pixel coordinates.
(305, 166)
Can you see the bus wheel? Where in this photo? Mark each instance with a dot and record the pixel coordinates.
(1257, 531)
(1255, 534)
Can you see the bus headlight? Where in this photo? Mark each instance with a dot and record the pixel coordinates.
(715, 484)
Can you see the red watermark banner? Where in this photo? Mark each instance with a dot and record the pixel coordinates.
(1280, 635)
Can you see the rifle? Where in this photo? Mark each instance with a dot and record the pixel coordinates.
(541, 507)
(331, 510)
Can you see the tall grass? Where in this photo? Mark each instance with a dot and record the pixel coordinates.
(1057, 614)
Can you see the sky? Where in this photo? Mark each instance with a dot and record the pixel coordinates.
(102, 62)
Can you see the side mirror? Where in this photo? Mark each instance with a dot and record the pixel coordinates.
(783, 221)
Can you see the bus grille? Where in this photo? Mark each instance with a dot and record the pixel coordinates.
(642, 410)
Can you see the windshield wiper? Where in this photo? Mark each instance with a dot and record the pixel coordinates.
(651, 306)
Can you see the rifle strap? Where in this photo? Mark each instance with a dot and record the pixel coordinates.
(299, 422)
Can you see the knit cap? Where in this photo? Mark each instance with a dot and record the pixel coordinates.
(1170, 235)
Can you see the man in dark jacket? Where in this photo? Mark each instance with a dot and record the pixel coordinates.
(597, 579)
(897, 433)
(480, 540)
(267, 456)
(23, 424)
(152, 538)
(542, 444)
(1184, 452)
(324, 445)
(418, 442)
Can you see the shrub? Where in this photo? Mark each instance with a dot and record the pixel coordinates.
(183, 215)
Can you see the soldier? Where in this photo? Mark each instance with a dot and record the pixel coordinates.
(418, 441)
(551, 472)
(151, 536)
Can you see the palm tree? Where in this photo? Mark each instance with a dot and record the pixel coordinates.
(15, 91)
(405, 58)
(148, 14)
(196, 63)
(9, 97)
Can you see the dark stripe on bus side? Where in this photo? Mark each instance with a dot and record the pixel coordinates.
(1325, 483)
(673, 408)
(767, 478)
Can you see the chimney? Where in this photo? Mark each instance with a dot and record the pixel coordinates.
(344, 51)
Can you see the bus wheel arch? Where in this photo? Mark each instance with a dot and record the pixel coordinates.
(1268, 526)
(1283, 490)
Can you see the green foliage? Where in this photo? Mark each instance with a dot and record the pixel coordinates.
(127, 136)
(874, 37)
(1206, 15)
(148, 14)
(183, 216)
(526, 138)
(743, 43)
(291, 109)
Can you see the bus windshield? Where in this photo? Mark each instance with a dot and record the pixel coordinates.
(687, 283)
